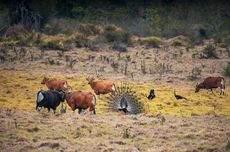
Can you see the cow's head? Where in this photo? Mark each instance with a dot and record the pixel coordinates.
(90, 80)
(62, 95)
(197, 88)
(45, 79)
(39, 100)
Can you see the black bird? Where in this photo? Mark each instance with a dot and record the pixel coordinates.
(123, 105)
(151, 94)
(178, 97)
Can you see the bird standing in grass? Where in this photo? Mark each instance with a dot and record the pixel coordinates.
(178, 97)
(151, 94)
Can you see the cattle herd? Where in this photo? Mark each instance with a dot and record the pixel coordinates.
(80, 100)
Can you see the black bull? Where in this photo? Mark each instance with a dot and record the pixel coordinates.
(49, 99)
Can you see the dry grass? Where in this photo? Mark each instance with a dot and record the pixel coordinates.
(32, 131)
(199, 124)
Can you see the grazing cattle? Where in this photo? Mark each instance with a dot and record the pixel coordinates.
(210, 83)
(55, 84)
(101, 87)
(81, 100)
(49, 99)
(151, 94)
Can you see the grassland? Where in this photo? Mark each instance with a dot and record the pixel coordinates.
(19, 90)
(200, 123)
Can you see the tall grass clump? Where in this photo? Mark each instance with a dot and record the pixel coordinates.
(151, 41)
(210, 52)
(227, 70)
(113, 34)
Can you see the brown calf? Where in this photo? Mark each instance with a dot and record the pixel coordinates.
(55, 84)
(81, 100)
(101, 87)
(212, 82)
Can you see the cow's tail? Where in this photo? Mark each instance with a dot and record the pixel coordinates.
(222, 83)
(113, 89)
(222, 86)
(94, 100)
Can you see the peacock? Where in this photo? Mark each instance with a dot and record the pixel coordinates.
(178, 97)
(125, 100)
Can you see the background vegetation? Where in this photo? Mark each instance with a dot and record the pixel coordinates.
(165, 18)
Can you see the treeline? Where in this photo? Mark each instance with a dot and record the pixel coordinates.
(166, 18)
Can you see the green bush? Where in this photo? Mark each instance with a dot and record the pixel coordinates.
(227, 70)
(89, 29)
(118, 36)
(56, 45)
(210, 52)
(110, 28)
(83, 41)
(118, 47)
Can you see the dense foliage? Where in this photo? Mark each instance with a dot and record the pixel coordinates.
(166, 18)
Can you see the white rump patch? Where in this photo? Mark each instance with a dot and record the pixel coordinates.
(94, 100)
(113, 88)
(65, 85)
(40, 97)
(222, 82)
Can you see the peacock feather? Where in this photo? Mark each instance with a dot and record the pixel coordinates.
(124, 99)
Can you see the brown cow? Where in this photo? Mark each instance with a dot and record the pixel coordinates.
(55, 84)
(210, 83)
(101, 87)
(81, 100)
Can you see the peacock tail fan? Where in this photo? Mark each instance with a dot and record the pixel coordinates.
(124, 98)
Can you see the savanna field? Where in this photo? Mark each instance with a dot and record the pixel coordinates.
(199, 124)
(166, 45)
(18, 91)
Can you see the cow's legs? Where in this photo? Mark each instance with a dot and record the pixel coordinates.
(48, 109)
(212, 91)
(79, 111)
(54, 111)
(94, 111)
(221, 91)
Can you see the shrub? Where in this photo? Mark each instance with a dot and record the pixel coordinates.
(118, 36)
(52, 45)
(210, 52)
(227, 70)
(196, 72)
(118, 47)
(89, 29)
(151, 41)
(179, 41)
(110, 28)
(58, 42)
(82, 41)
(226, 40)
